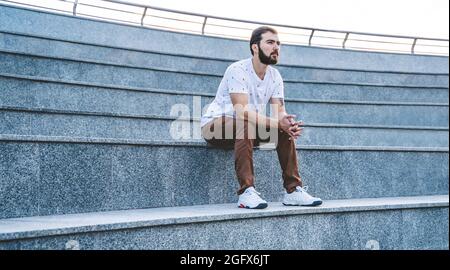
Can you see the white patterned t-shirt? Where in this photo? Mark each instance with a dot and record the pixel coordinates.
(240, 77)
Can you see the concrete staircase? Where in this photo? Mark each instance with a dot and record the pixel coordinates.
(87, 160)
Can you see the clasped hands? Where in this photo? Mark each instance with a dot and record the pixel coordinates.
(290, 126)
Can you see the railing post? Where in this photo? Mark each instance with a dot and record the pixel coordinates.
(311, 36)
(75, 8)
(345, 40)
(204, 24)
(143, 15)
(413, 45)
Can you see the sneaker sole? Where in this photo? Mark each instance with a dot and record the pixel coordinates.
(259, 206)
(316, 203)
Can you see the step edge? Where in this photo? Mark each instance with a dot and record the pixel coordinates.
(170, 91)
(212, 58)
(202, 144)
(161, 69)
(197, 119)
(199, 214)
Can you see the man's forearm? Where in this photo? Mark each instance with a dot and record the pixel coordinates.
(280, 115)
(256, 118)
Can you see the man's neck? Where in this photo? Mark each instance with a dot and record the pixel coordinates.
(260, 68)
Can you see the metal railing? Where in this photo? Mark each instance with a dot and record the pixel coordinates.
(202, 24)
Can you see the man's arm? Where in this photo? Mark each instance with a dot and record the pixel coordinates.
(277, 106)
(280, 113)
(240, 102)
(283, 121)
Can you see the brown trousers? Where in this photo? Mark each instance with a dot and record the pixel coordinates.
(225, 132)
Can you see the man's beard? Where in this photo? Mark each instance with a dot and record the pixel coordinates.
(267, 60)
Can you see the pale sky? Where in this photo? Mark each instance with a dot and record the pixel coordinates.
(426, 18)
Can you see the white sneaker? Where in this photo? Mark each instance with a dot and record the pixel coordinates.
(301, 197)
(250, 199)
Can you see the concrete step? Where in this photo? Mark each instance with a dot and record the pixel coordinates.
(23, 84)
(39, 46)
(84, 72)
(361, 92)
(50, 122)
(136, 101)
(371, 113)
(120, 75)
(90, 31)
(355, 224)
(60, 175)
(35, 91)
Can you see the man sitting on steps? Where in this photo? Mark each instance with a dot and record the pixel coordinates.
(233, 119)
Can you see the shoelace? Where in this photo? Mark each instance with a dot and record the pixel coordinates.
(303, 189)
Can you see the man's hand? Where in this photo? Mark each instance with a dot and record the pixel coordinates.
(296, 130)
(290, 126)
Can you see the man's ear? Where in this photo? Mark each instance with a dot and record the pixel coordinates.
(255, 48)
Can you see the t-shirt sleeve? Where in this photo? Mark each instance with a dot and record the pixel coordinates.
(236, 81)
(278, 88)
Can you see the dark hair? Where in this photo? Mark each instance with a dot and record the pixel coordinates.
(257, 35)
